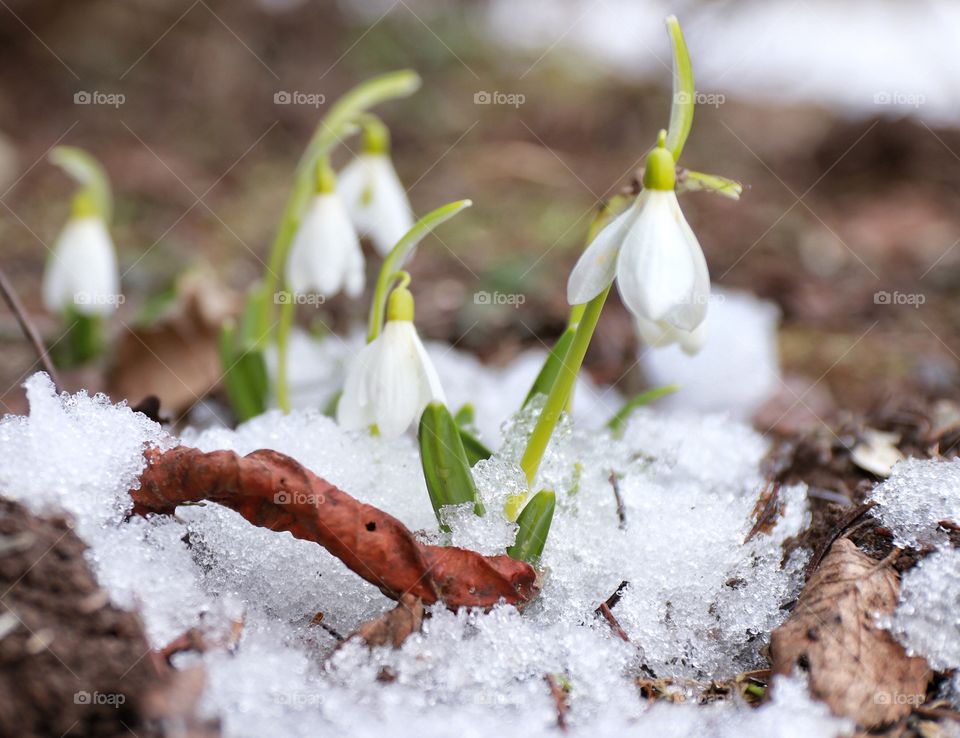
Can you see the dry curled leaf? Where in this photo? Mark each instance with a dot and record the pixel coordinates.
(853, 664)
(395, 626)
(274, 491)
(175, 356)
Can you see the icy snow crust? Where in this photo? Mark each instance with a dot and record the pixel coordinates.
(699, 603)
(919, 494)
(912, 502)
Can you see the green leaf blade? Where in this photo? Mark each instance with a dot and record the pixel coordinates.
(551, 366)
(446, 468)
(534, 526)
(618, 422)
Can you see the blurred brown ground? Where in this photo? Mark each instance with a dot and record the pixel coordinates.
(834, 210)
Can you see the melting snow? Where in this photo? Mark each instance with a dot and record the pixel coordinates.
(698, 605)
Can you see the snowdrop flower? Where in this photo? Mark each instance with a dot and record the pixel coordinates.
(392, 379)
(325, 256)
(373, 194)
(81, 273)
(657, 335)
(659, 266)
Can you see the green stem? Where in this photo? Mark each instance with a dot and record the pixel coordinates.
(95, 197)
(398, 257)
(562, 388)
(287, 312)
(376, 135)
(334, 125)
(84, 340)
(684, 94)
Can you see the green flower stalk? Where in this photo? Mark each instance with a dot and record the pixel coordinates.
(680, 303)
(339, 122)
(307, 202)
(402, 253)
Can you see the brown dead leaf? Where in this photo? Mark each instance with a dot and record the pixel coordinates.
(853, 665)
(175, 357)
(395, 626)
(276, 492)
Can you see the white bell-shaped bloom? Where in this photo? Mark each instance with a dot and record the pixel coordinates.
(392, 379)
(657, 335)
(376, 200)
(81, 273)
(659, 266)
(325, 256)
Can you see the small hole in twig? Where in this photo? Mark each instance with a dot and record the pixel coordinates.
(371, 526)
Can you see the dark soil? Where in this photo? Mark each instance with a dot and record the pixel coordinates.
(71, 664)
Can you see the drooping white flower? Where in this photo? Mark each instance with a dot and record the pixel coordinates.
(81, 273)
(325, 256)
(392, 379)
(657, 261)
(376, 200)
(662, 334)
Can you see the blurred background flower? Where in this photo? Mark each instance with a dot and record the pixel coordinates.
(839, 116)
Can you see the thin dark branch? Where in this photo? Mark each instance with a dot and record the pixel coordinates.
(841, 527)
(621, 511)
(613, 599)
(559, 695)
(613, 622)
(26, 325)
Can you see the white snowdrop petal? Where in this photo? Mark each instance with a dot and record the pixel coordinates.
(354, 184)
(325, 250)
(376, 200)
(394, 380)
(82, 270)
(430, 388)
(354, 274)
(392, 215)
(655, 269)
(354, 410)
(692, 341)
(597, 266)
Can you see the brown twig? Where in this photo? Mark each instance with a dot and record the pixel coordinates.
(621, 511)
(937, 712)
(28, 328)
(612, 620)
(613, 599)
(189, 640)
(842, 525)
(318, 621)
(559, 695)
